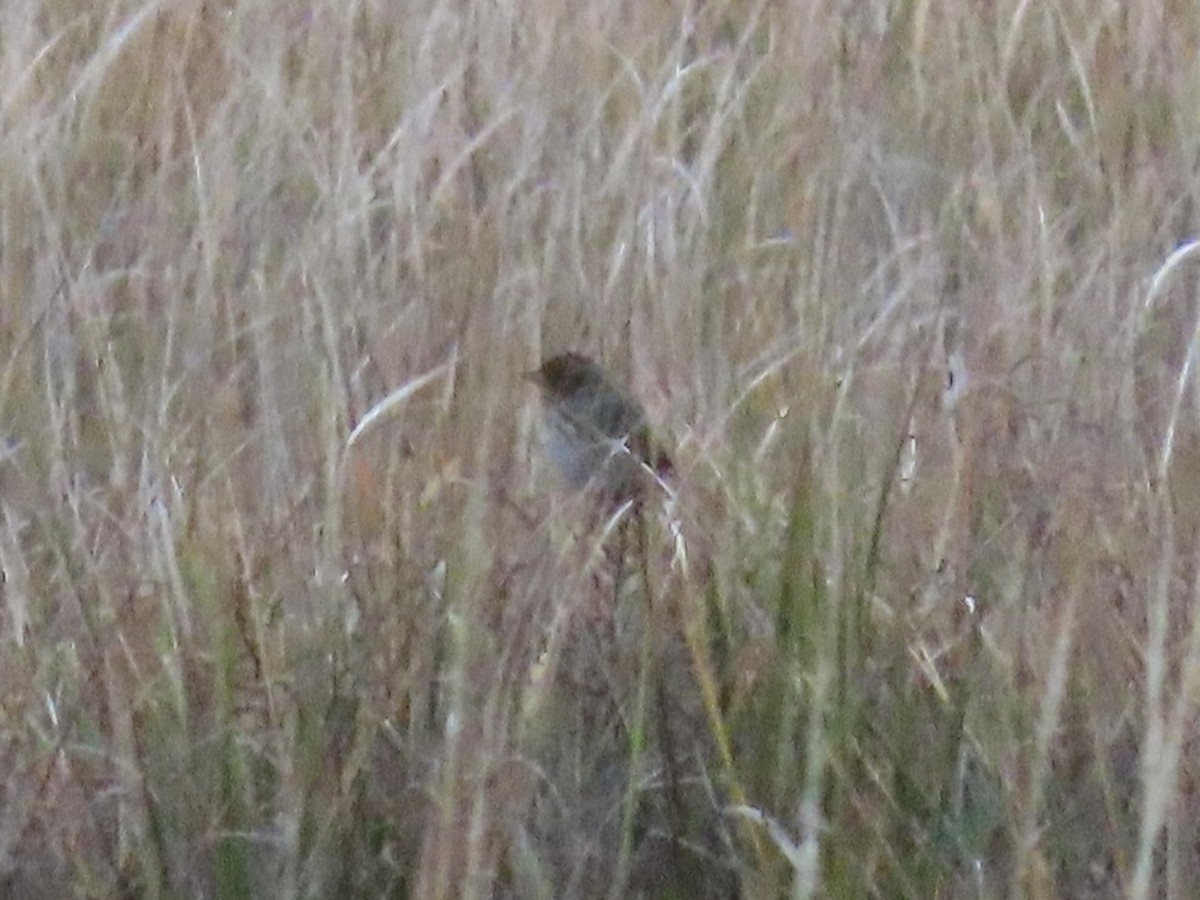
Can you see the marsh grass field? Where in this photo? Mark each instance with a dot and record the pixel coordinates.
(906, 285)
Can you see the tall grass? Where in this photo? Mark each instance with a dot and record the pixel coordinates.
(905, 284)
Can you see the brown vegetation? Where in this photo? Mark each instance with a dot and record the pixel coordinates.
(897, 280)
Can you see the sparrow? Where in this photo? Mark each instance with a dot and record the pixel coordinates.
(596, 433)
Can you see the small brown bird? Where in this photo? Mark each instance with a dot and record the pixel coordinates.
(595, 433)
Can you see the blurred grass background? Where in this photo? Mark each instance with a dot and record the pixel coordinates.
(906, 284)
